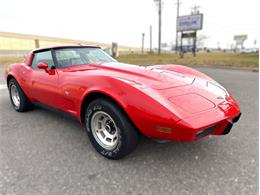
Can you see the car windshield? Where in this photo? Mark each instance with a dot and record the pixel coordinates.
(81, 56)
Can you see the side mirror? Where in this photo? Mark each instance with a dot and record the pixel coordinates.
(43, 65)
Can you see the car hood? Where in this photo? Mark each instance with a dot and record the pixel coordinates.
(147, 76)
(190, 93)
(172, 89)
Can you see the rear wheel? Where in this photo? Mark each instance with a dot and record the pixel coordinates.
(109, 129)
(19, 100)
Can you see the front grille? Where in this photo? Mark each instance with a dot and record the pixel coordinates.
(206, 131)
(227, 129)
(236, 118)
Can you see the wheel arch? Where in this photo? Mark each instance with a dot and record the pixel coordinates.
(9, 77)
(91, 96)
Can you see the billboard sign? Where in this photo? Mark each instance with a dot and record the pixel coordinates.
(190, 22)
(188, 35)
(240, 37)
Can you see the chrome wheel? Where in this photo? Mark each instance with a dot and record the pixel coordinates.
(15, 96)
(104, 130)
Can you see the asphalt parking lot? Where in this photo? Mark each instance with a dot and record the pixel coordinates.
(47, 153)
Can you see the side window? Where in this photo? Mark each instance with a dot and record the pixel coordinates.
(68, 57)
(44, 56)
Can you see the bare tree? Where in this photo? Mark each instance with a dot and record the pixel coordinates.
(201, 40)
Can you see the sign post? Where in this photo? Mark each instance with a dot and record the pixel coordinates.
(240, 39)
(114, 49)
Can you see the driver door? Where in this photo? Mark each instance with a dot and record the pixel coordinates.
(44, 82)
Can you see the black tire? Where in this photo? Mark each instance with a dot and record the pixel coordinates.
(25, 103)
(127, 133)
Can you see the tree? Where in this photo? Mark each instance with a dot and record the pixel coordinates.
(201, 40)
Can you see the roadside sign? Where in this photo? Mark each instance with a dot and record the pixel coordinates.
(190, 22)
(240, 37)
(188, 35)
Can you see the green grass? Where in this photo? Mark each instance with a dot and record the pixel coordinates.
(208, 59)
(5, 60)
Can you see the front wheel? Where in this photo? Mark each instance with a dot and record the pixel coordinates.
(109, 129)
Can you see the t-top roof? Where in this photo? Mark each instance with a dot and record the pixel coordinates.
(64, 47)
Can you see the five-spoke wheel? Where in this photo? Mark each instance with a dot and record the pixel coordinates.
(104, 130)
(110, 130)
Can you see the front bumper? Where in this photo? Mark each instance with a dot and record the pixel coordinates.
(230, 125)
(222, 127)
(212, 129)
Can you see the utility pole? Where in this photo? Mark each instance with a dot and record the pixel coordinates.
(143, 43)
(218, 43)
(255, 43)
(178, 13)
(195, 10)
(159, 3)
(160, 26)
(151, 39)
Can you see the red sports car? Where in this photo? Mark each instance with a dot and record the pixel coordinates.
(117, 102)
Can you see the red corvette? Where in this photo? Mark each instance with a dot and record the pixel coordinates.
(117, 102)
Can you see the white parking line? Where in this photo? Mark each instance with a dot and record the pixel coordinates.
(3, 86)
